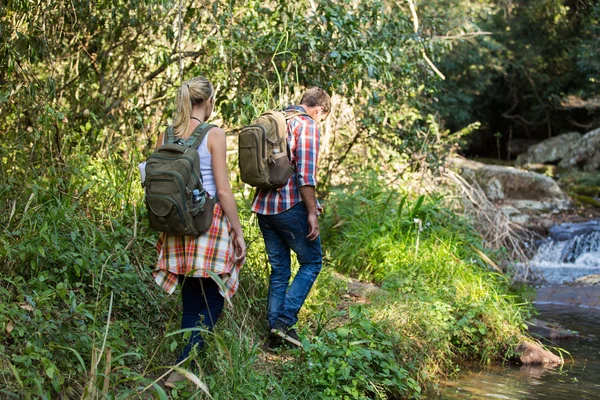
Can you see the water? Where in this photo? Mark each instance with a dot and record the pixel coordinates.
(578, 378)
(571, 252)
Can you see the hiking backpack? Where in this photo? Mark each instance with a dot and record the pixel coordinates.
(175, 198)
(264, 154)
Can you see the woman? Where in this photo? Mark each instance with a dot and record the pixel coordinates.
(189, 260)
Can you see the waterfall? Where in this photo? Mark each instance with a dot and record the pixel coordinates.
(571, 251)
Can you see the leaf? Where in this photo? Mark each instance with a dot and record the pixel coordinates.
(162, 395)
(338, 224)
(9, 327)
(194, 379)
(371, 71)
(74, 352)
(26, 306)
(417, 206)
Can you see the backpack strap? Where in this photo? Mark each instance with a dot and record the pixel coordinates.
(198, 135)
(291, 114)
(170, 136)
(194, 142)
(195, 138)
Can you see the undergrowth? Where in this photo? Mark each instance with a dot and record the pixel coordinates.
(81, 317)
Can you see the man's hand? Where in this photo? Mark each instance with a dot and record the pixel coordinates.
(310, 201)
(313, 226)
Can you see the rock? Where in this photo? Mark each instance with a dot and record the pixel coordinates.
(590, 280)
(544, 169)
(567, 231)
(550, 150)
(521, 219)
(585, 154)
(545, 330)
(523, 190)
(532, 353)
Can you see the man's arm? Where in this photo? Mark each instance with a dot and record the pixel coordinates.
(310, 200)
(307, 150)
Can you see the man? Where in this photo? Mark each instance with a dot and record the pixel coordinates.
(288, 221)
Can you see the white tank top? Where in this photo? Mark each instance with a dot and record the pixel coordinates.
(208, 179)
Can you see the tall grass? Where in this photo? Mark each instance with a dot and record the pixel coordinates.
(440, 290)
(81, 317)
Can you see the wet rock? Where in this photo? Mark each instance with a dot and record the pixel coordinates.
(585, 154)
(567, 231)
(546, 330)
(523, 190)
(530, 353)
(550, 150)
(590, 280)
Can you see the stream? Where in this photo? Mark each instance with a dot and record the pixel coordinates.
(571, 252)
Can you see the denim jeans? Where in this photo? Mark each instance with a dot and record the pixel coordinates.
(281, 233)
(202, 305)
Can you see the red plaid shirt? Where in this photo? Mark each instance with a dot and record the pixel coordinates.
(303, 139)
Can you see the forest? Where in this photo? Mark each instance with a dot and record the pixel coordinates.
(412, 283)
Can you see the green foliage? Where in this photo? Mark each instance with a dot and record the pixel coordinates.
(425, 256)
(355, 361)
(84, 90)
(524, 69)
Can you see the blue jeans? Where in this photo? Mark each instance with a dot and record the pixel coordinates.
(284, 232)
(202, 305)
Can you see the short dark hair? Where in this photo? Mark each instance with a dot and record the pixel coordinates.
(314, 97)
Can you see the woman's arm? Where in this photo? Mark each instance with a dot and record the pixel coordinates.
(217, 145)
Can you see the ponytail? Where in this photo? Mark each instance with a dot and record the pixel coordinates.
(194, 91)
(184, 111)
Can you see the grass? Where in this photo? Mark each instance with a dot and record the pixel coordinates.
(82, 318)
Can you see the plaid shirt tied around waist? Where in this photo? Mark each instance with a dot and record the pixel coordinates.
(211, 253)
(303, 140)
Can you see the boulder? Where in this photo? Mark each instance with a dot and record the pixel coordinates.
(550, 150)
(585, 154)
(532, 353)
(589, 280)
(523, 190)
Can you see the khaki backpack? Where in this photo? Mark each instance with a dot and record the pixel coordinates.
(264, 154)
(175, 198)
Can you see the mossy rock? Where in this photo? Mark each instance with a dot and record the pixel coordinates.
(587, 200)
(590, 191)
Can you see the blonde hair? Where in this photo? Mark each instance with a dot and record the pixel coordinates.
(194, 91)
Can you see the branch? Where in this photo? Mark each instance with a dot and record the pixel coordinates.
(172, 58)
(413, 11)
(580, 125)
(462, 36)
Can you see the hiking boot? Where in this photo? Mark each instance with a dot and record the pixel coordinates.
(272, 343)
(289, 335)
